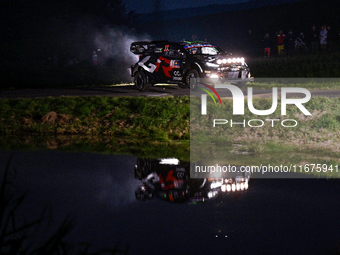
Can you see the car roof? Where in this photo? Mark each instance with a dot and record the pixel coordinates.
(195, 44)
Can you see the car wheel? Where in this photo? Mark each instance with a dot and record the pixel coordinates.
(191, 78)
(141, 81)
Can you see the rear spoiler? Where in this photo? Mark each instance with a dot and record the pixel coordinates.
(141, 47)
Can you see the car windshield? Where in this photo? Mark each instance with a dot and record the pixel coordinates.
(202, 49)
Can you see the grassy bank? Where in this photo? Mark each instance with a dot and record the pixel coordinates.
(308, 83)
(298, 66)
(314, 138)
(152, 118)
(160, 127)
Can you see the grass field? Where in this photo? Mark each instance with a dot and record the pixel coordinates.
(161, 126)
(258, 140)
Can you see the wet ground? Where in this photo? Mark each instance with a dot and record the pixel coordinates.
(273, 216)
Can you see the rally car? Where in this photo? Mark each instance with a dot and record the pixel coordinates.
(169, 179)
(185, 62)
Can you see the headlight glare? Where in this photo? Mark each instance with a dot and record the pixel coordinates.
(212, 64)
(214, 76)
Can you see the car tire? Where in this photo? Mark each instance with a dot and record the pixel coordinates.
(141, 81)
(194, 75)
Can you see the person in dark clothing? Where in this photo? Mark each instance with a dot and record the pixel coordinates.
(330, 39)
(314, 39)
(290, 43)
(250, 44)
(323, 38)
(266, 45)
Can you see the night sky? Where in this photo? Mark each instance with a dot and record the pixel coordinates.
(147, 6)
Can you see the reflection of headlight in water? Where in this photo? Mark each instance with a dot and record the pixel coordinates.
(235, 186)
(238, 186)
(223, 188)
(169, 161)
(215, 185)
(212, 194)
(246, 185)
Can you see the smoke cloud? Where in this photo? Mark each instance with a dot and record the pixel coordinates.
(113, 50)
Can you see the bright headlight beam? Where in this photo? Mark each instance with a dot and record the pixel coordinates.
(212, 64)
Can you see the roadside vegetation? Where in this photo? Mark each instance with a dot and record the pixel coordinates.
(317, 131)
(314, 140)
(320, 65)
(161, 126)
(163, 119)
(122, 125)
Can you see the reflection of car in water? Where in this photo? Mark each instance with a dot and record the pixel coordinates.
(169, 179)
(182, 63)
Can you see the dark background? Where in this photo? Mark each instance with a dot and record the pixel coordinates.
(42, 43)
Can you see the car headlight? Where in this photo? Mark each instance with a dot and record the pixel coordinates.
(220, 61)
(213, 65)
(235, 60)
(214, 76)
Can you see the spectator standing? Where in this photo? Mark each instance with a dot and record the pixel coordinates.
(330, 39)
(280, 42)
(266, 45)
(250, 43)
(290, 43)
(314, 39)
(323, 38)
